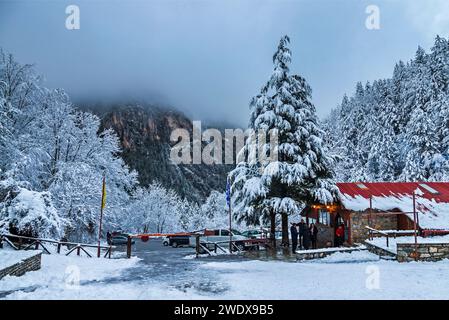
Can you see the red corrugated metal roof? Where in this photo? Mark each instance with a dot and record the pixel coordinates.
(385, 189)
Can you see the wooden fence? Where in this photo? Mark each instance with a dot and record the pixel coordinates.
(29, 243)
(388, 233)
(237, 245)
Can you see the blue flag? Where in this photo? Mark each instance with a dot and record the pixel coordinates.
(228, 192)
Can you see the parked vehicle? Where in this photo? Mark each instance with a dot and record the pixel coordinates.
(223, 235)
(254, 234)
(118, 238)
(179, 240)
(165, 241)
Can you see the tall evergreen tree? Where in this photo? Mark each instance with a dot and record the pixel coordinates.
(303, 171)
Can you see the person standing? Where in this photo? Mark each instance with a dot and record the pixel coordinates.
(313, 235)
(306, 237)
(302, 227)
(294, 235)
(339, 235)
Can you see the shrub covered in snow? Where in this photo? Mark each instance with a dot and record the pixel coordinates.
(29, 212)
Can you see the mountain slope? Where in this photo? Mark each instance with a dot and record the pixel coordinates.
(144, 133)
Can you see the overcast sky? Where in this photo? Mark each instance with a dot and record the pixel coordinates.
(208, 58)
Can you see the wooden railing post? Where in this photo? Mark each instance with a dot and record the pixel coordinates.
(128, 248)
(78, 250)
(58, 250)
(197, 244)
(387, 241)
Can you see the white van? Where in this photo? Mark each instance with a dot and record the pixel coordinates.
(219, 235)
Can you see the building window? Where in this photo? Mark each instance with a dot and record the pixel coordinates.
(325, 217)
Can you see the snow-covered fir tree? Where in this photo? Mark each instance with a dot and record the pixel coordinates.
(396, 129)
(303, 170)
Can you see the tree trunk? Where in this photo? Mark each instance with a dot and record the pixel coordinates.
(285, 241)
(273, 228)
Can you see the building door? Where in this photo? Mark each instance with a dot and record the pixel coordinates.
(325, 236)
(339, 221)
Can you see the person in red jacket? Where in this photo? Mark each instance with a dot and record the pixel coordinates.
(339, 235)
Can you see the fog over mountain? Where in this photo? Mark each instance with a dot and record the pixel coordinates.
(206, 58)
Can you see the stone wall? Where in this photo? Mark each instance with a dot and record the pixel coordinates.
(29, 264)
(379, 251)
(321, 253)
(359, 221)
(425, 251)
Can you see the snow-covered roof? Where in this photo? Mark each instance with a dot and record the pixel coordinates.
(432, 199)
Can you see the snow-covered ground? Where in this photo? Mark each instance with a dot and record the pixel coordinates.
(60, 275)
(382, 242)
(357, 275)
(165, 274)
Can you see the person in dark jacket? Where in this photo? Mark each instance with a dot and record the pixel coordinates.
(294, 235)
(313, 235)
(302, 227)
(306, 238)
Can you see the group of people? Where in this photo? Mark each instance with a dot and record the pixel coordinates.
(303, 235)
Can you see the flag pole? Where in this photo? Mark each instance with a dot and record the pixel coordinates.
(230, 228)
(103, 200)
(228, 200)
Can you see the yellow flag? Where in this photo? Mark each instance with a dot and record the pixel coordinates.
(103, 194)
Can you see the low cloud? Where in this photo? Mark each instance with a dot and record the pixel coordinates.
(431, 17)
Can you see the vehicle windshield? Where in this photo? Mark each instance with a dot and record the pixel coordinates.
(237, 233)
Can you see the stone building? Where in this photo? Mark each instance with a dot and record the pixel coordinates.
(382, 206)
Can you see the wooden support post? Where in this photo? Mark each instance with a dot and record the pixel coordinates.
(387, 242)
(215, 247)
(78, 250)
(36, 245)
(415, 225)
(128, 248)
(197, 244)
(59, 248)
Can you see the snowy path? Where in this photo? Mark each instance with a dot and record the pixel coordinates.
(164, 273)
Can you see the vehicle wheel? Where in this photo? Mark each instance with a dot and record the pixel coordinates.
(240, 245)
(174, 244)
(165, 243)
